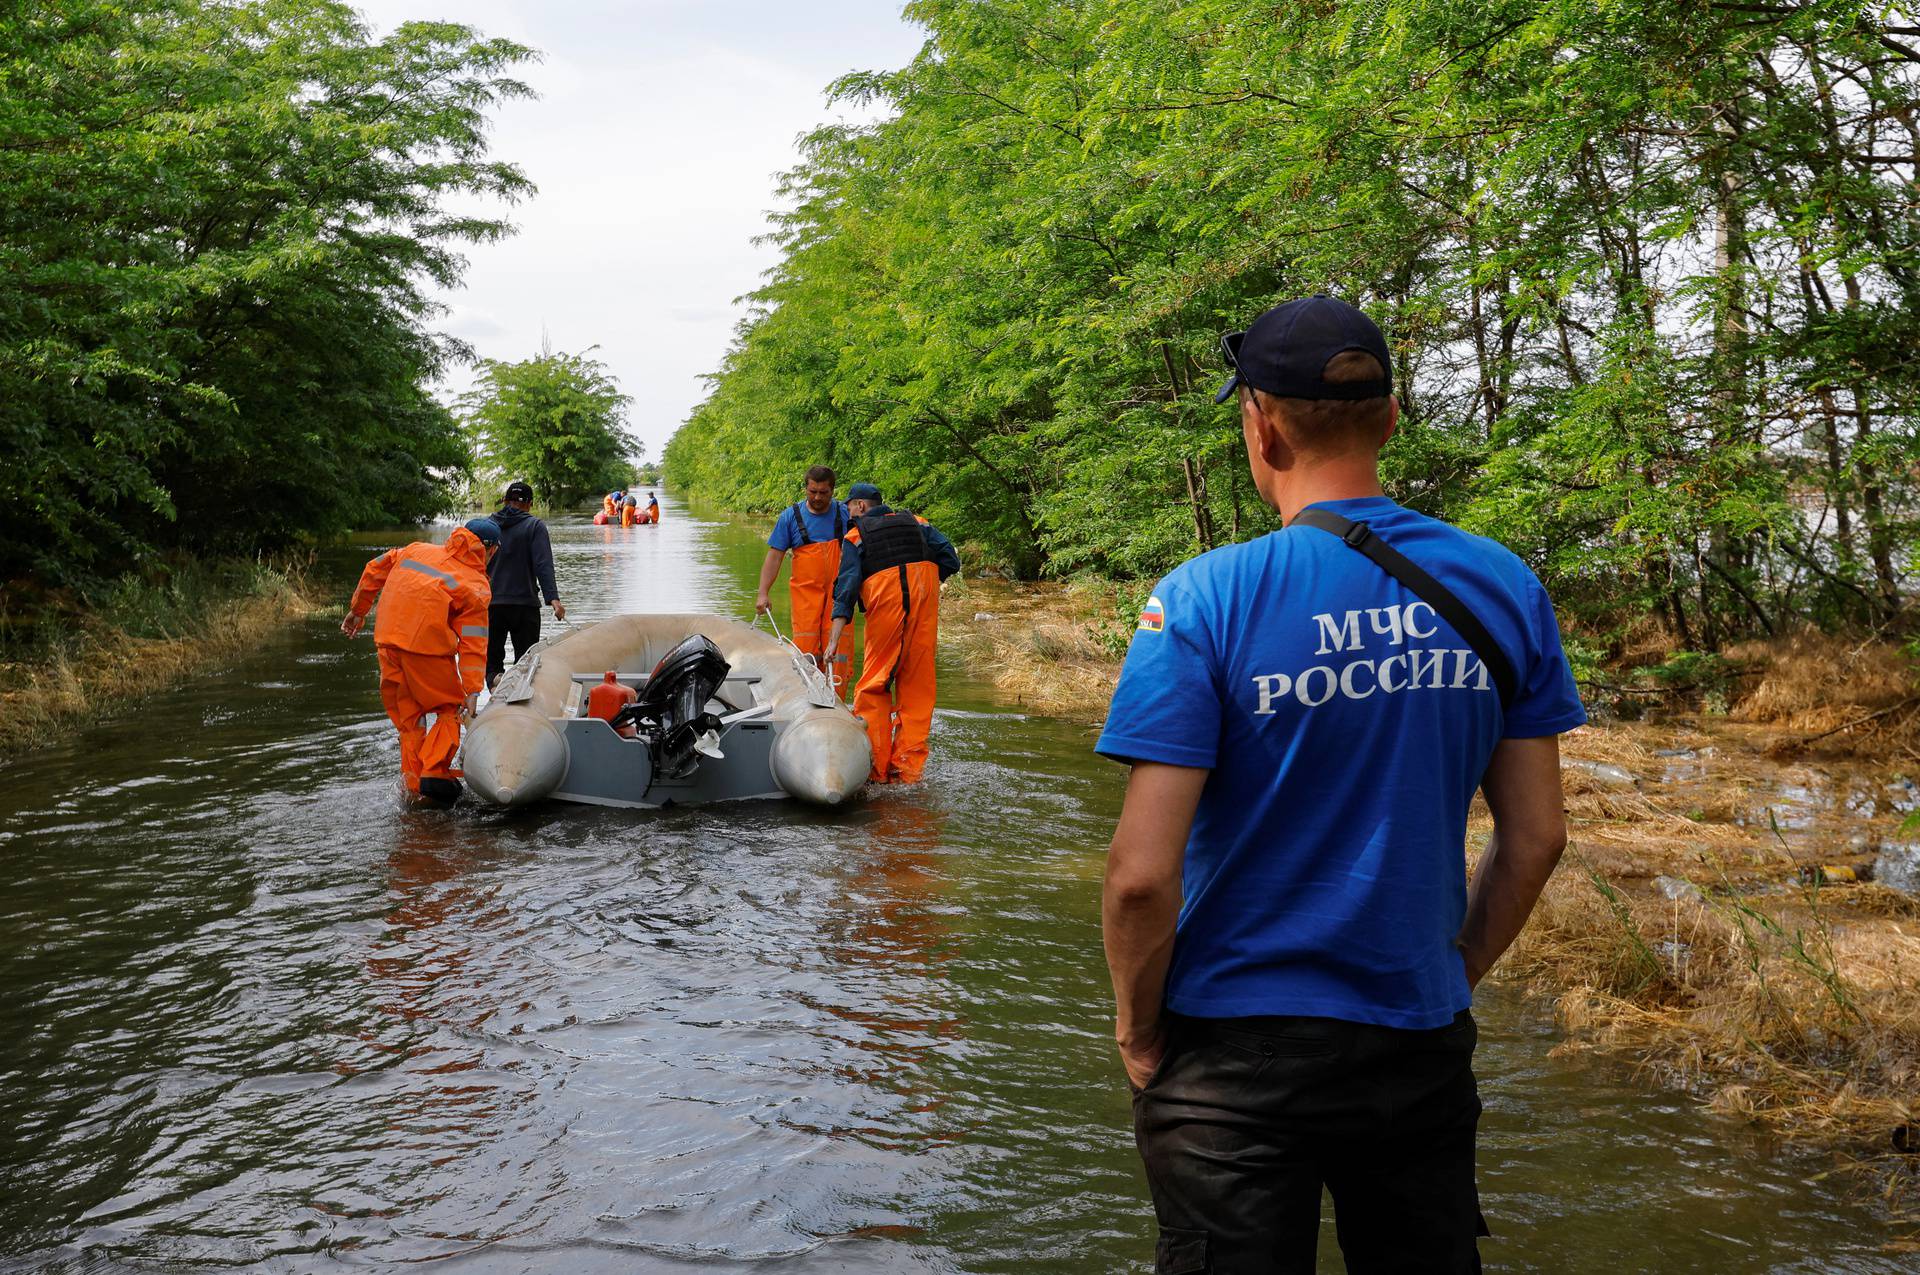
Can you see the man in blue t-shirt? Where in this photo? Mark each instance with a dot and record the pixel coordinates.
(1292, 939)
(811, 530)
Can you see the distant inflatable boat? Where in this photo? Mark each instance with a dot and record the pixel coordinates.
(720, 711)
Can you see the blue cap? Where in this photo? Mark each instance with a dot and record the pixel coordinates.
(486, 528)
(864, 491)
(1286, 351)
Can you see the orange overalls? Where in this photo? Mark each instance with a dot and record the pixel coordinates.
(896, 693)
(606, 503)
(810, 579)
(653, 512)
(627, 518)
(431, 634)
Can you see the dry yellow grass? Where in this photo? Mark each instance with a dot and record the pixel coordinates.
(1040, 644)
(1832, 695)
(1811, 682)
(99, 664)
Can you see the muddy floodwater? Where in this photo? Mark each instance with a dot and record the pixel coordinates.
(254, 1014)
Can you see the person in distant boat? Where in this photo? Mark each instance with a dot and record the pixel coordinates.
(431, 636)
(810, 530)
(892, 564)
(1288, 925)
(629, 511)
(523, 565)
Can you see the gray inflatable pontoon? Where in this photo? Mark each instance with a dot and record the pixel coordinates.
(771, 727)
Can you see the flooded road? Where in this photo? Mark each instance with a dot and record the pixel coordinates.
(255, 1015)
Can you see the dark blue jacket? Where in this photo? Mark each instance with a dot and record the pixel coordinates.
(525, 559)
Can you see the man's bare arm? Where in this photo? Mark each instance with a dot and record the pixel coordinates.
(1522, 787)
(769, 572)
(1141, 902)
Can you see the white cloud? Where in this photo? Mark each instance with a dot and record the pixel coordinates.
(656, 142)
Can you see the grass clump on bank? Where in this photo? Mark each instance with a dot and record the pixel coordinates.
(1795, 1006)
(1052, 648)
(137, 635)
(1833, 696)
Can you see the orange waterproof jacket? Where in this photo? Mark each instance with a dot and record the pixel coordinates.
(433, 601)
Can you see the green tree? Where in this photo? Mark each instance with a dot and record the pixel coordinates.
(1648, 268)
(218, 222)
(557, 421)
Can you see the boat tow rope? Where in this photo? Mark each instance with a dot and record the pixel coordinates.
(820, 692)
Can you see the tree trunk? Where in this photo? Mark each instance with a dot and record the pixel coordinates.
(1233, 495)
(1836, 480)
(1197, 498)
(1879, 540)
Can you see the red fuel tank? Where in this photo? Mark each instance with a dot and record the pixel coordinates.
(607, 699)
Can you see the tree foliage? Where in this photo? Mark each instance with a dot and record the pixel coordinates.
(217, 225)
(556, 421)
(1650, 269)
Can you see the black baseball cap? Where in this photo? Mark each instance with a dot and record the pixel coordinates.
(1286, 351)
(517, 490)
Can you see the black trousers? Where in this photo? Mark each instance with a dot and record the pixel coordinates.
(1246, 1120)
(519, 621)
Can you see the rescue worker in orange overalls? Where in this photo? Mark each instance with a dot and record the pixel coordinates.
(653, 509)
(630, 512)
(893, 562)
(608, 505)
(431, 634)
(811, 531)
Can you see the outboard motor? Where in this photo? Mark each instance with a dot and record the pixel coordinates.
(671, 714)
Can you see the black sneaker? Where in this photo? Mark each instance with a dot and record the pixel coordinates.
(444, 791)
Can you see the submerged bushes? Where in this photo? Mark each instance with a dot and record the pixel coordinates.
(138, 634)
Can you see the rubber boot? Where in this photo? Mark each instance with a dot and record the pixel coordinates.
(444, 791)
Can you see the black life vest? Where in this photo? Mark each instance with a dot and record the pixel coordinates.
(800, 521)
(891, 539)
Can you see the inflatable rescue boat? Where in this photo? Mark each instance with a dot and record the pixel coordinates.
(719, 711)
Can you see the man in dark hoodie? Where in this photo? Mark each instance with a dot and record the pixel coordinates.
(523, 565)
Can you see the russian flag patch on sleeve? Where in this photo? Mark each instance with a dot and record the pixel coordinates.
(1153, 616)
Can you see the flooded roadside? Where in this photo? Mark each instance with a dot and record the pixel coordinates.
(254, 1014)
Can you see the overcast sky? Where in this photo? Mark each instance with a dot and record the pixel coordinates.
(659, 131)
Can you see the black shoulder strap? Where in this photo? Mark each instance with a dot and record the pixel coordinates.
(1357, 535)
(800, 523)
